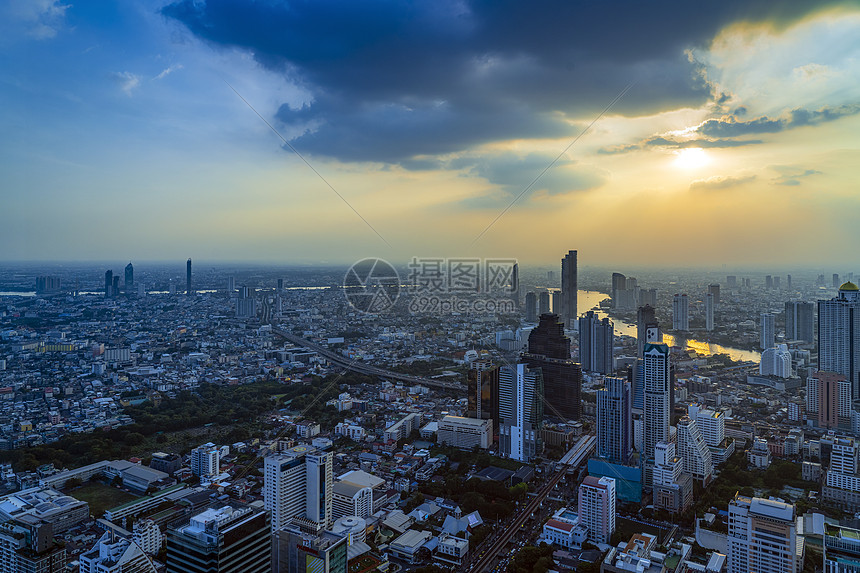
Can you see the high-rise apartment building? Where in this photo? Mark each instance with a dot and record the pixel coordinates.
(762, 537)
(483, 388)
(619, 283)
(569, 289)
(596, 344)
(298, 484)
(799, 320)
(188, 277)
(521, 402)
(549, 350)
(680, 312)
(233, 538)
(709, 311)
(231, 286)
(614, 421)
(531, 307)
(543, 302)
(597, 507)
(839, 335)
(767, 334)
(246, 303)
(828, 400)
(205, 460)
(776, 361)
(694, 451)
(714, 289)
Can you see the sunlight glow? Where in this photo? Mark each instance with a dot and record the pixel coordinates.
(691, 158)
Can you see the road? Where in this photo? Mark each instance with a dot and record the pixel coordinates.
(363, 368)
(578, 454)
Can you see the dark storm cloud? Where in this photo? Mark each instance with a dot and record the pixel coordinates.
(392, 80)
(729, 126)
(514, 173)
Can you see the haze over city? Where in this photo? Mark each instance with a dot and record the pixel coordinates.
(730, 134)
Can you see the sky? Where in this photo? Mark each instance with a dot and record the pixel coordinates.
(683, 133)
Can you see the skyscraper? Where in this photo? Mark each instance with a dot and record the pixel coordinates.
(839, 335)
(596, 343)
(108, 283)
(280, 285)
(483, 398)
(619, 283)
(521, 398)
(231, 286)
(614, 420)
(129, 279)
(656, 386)
(768, 282)
(647, 328)
(835, 280)
(597, 507)
(828, 400)
(767, 336)
(680, 312)
(549, 350)
(188, 277)
(569, 289)
(799, 320)
(531, 307)
(709, 312)
(762, 536)
(714, 289)
(298, 484)
(543, 302)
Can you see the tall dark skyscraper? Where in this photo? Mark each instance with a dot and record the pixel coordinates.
(531, 307)
(108, 283)
(188, 277)
(614, 421)
(596, 342)
(549, 350)
(647, 328)
(569, 289)
(483, 398)
(799, 318)
(619, 283)
(280, 285)
(115, 289)
(129, 279)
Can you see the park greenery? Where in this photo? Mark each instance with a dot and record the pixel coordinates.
(230, 412)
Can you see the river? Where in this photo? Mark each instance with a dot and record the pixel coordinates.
(589, 300)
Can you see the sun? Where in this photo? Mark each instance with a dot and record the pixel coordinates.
(691, 158)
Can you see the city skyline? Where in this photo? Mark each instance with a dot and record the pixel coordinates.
(732, 139)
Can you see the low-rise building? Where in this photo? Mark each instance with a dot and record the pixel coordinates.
(465, 433)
